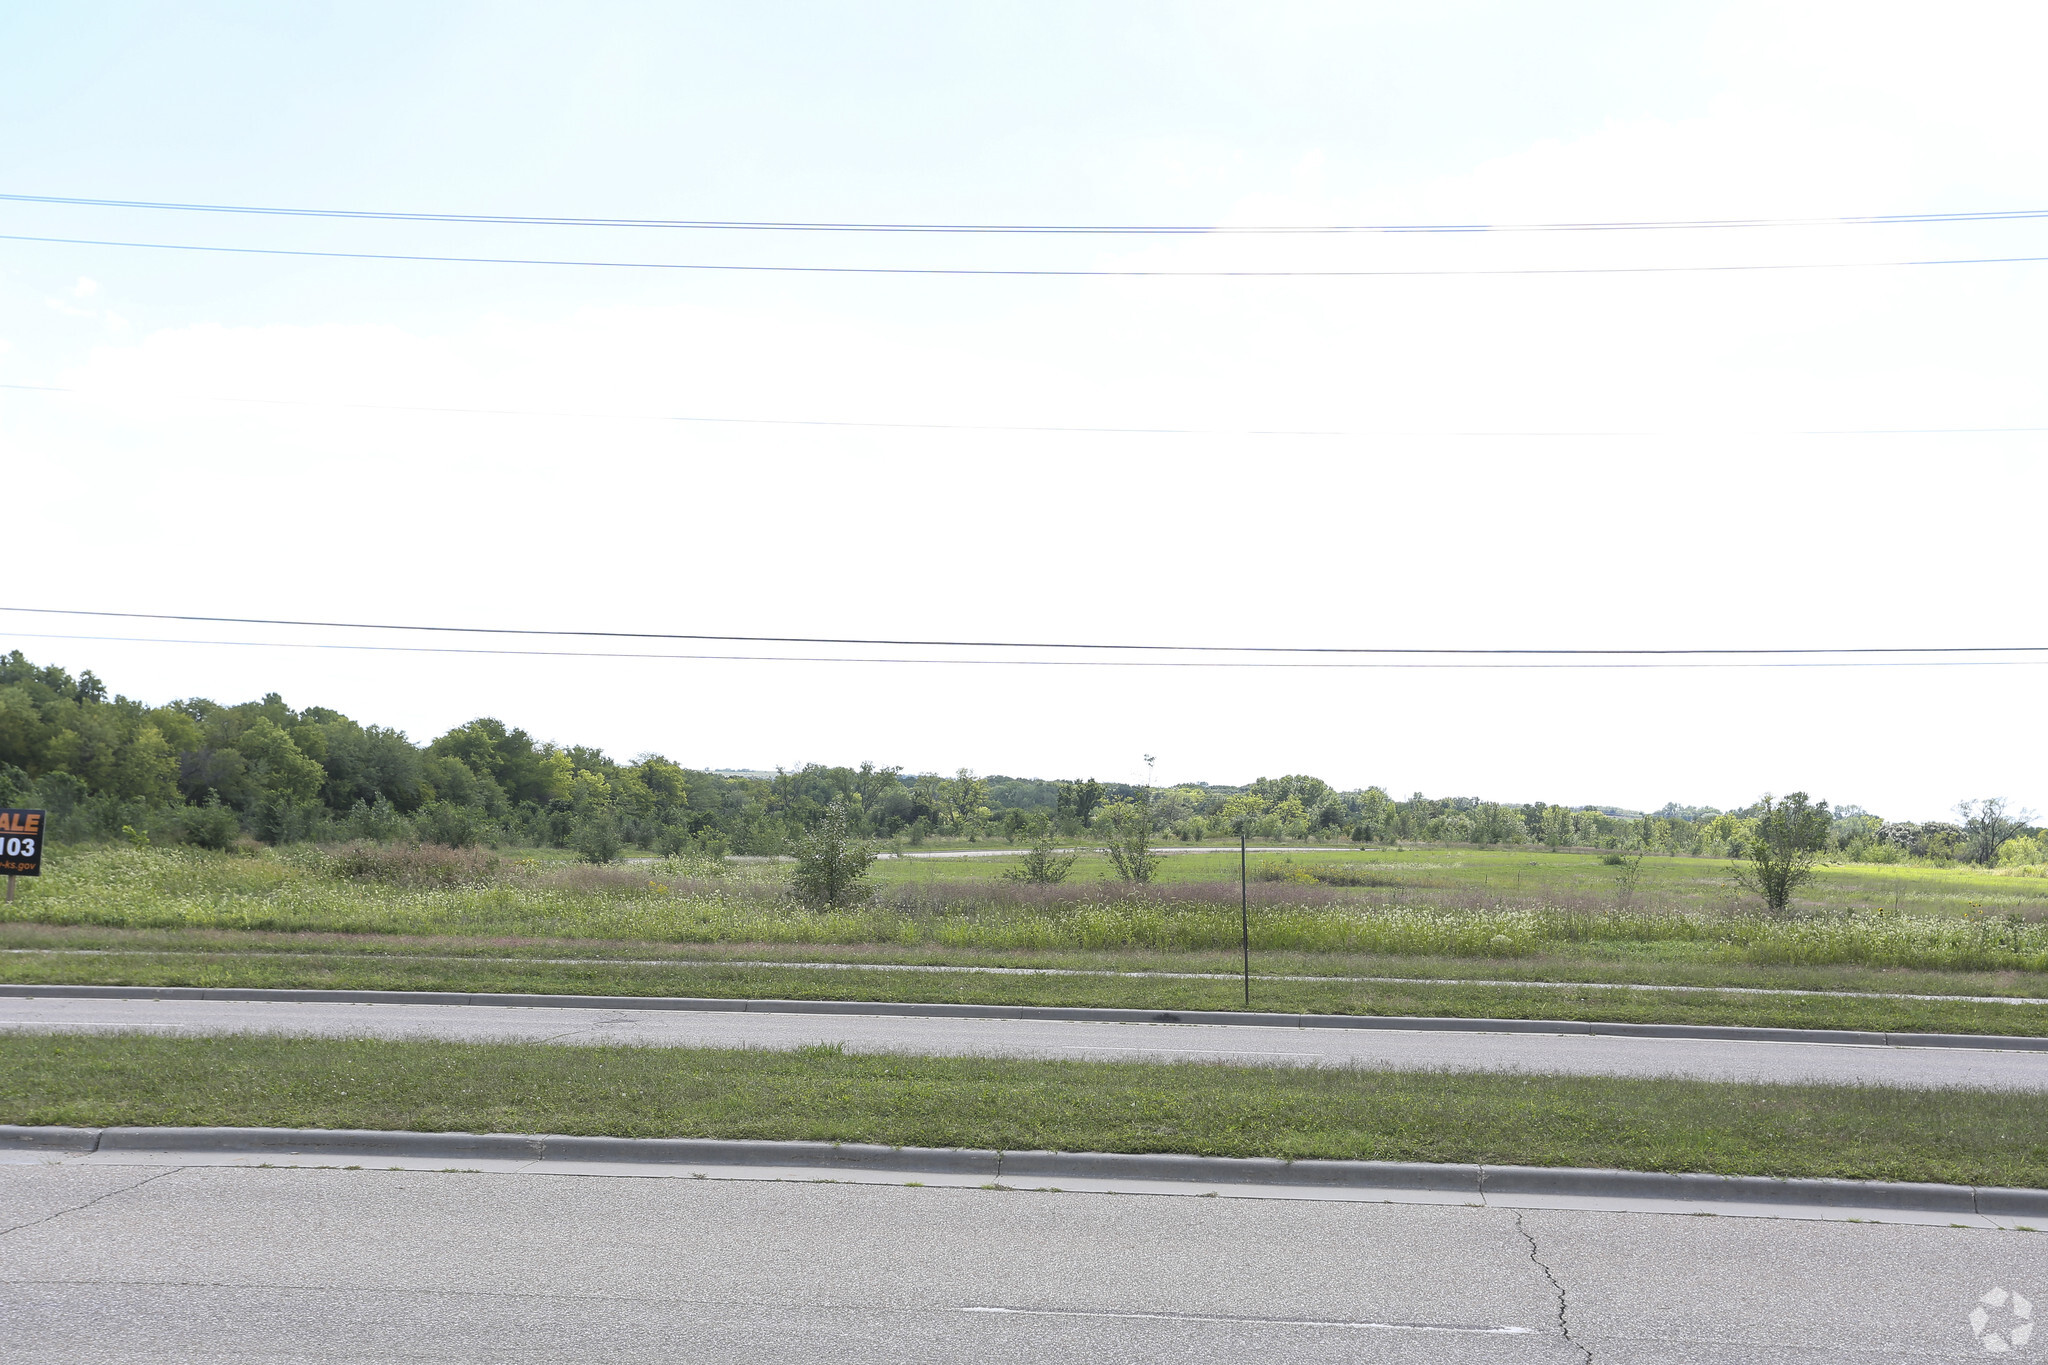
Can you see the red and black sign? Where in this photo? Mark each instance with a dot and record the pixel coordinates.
(21, 843)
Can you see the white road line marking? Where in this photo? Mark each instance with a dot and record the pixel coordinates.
(1256, 1322)
(1188, 1050)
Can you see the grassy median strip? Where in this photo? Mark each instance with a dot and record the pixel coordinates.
(360, 971)
(823, 1094)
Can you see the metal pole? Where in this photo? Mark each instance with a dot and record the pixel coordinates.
(1244, 905)
(10, 888)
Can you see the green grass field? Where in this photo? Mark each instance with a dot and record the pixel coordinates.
(353, 967)
(820, 1094)
(1534, 876)
(437, 919)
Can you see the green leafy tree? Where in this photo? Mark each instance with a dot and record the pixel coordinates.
(1129, 845)
(970, 798)
(872, 784)
(928, 801)
(595, 837)
(212, 825)
(1628, 861)
(444, 822)
(276, 766)
(1242, 812)
(832, 862)
(1779, 848)
(1078, 800)
(1988, 824)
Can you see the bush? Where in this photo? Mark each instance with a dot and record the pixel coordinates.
(831, 864)
(282, 820)
(596, 839)
(1044, 864)
(381, 822)
(2020, 851)
(442, 822)
(1129, 844)
(212, 825)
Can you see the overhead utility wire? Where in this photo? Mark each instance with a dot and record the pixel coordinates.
(1045, 663)
(1114, 229)
(1038, 274)
(993, 426)
(1020, 644)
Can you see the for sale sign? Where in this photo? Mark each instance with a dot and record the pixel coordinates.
(21, 843)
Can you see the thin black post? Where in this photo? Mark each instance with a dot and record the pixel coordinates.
(1244, 905)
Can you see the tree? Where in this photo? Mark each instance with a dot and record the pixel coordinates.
(1242, 811)
(1630, 860)
(596, 837)
(212, 825)
(1292, 817)
(1130, 841)
(1779, 848)
(1079, 799)
(1043, 864)
(872, 784)
(928, 800)
(1987, 824)
(831, 862)
(970, 799)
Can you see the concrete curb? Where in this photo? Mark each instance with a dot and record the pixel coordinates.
(994, 1166)
(1244, 1018)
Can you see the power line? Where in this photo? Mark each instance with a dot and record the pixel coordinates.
(1030, 644)
(993, 426)
(1077, 229)
(700, 266)
(1039, 663)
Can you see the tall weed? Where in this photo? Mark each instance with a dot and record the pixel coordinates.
(366, 888)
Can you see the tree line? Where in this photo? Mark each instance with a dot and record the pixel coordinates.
(194, 770)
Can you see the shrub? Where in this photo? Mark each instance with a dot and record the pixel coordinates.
(1043, 864)
(1130, 841)
(212, 825)
(381, 822)
(443, 822)
(1780, 847)
(596, 839)
(2020, 851)
(831, 864)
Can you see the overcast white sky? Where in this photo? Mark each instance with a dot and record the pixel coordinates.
(1686, 505)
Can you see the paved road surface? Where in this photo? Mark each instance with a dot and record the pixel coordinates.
(1552, 1053)
(190, 1263)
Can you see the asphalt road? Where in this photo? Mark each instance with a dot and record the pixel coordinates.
(1705, 1059)
(194, 1263)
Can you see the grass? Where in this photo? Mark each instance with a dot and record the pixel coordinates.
(441, 891)
(428, 918)
(825, 1094)
(345, 969)
(1533, 875)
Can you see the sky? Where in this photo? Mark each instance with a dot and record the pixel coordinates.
(1608, 454)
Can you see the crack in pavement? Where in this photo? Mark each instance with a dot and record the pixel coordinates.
(76, 1208)
(1563, 1323)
